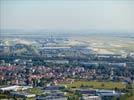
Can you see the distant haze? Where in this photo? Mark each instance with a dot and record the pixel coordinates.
(99, 15)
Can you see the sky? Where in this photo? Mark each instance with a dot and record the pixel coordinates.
(99, 15)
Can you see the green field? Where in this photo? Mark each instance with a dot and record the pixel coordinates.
(96, 85)
(35, 90)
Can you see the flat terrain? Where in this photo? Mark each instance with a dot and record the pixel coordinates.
(96, 85)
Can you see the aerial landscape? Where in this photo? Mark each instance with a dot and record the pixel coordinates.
(66, 50)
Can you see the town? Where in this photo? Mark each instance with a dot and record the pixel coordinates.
(60, 68)
(66, 49)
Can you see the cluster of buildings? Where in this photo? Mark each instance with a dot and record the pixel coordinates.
(52, 61)
(58, 93)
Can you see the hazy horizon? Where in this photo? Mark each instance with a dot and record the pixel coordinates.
(63, 15)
